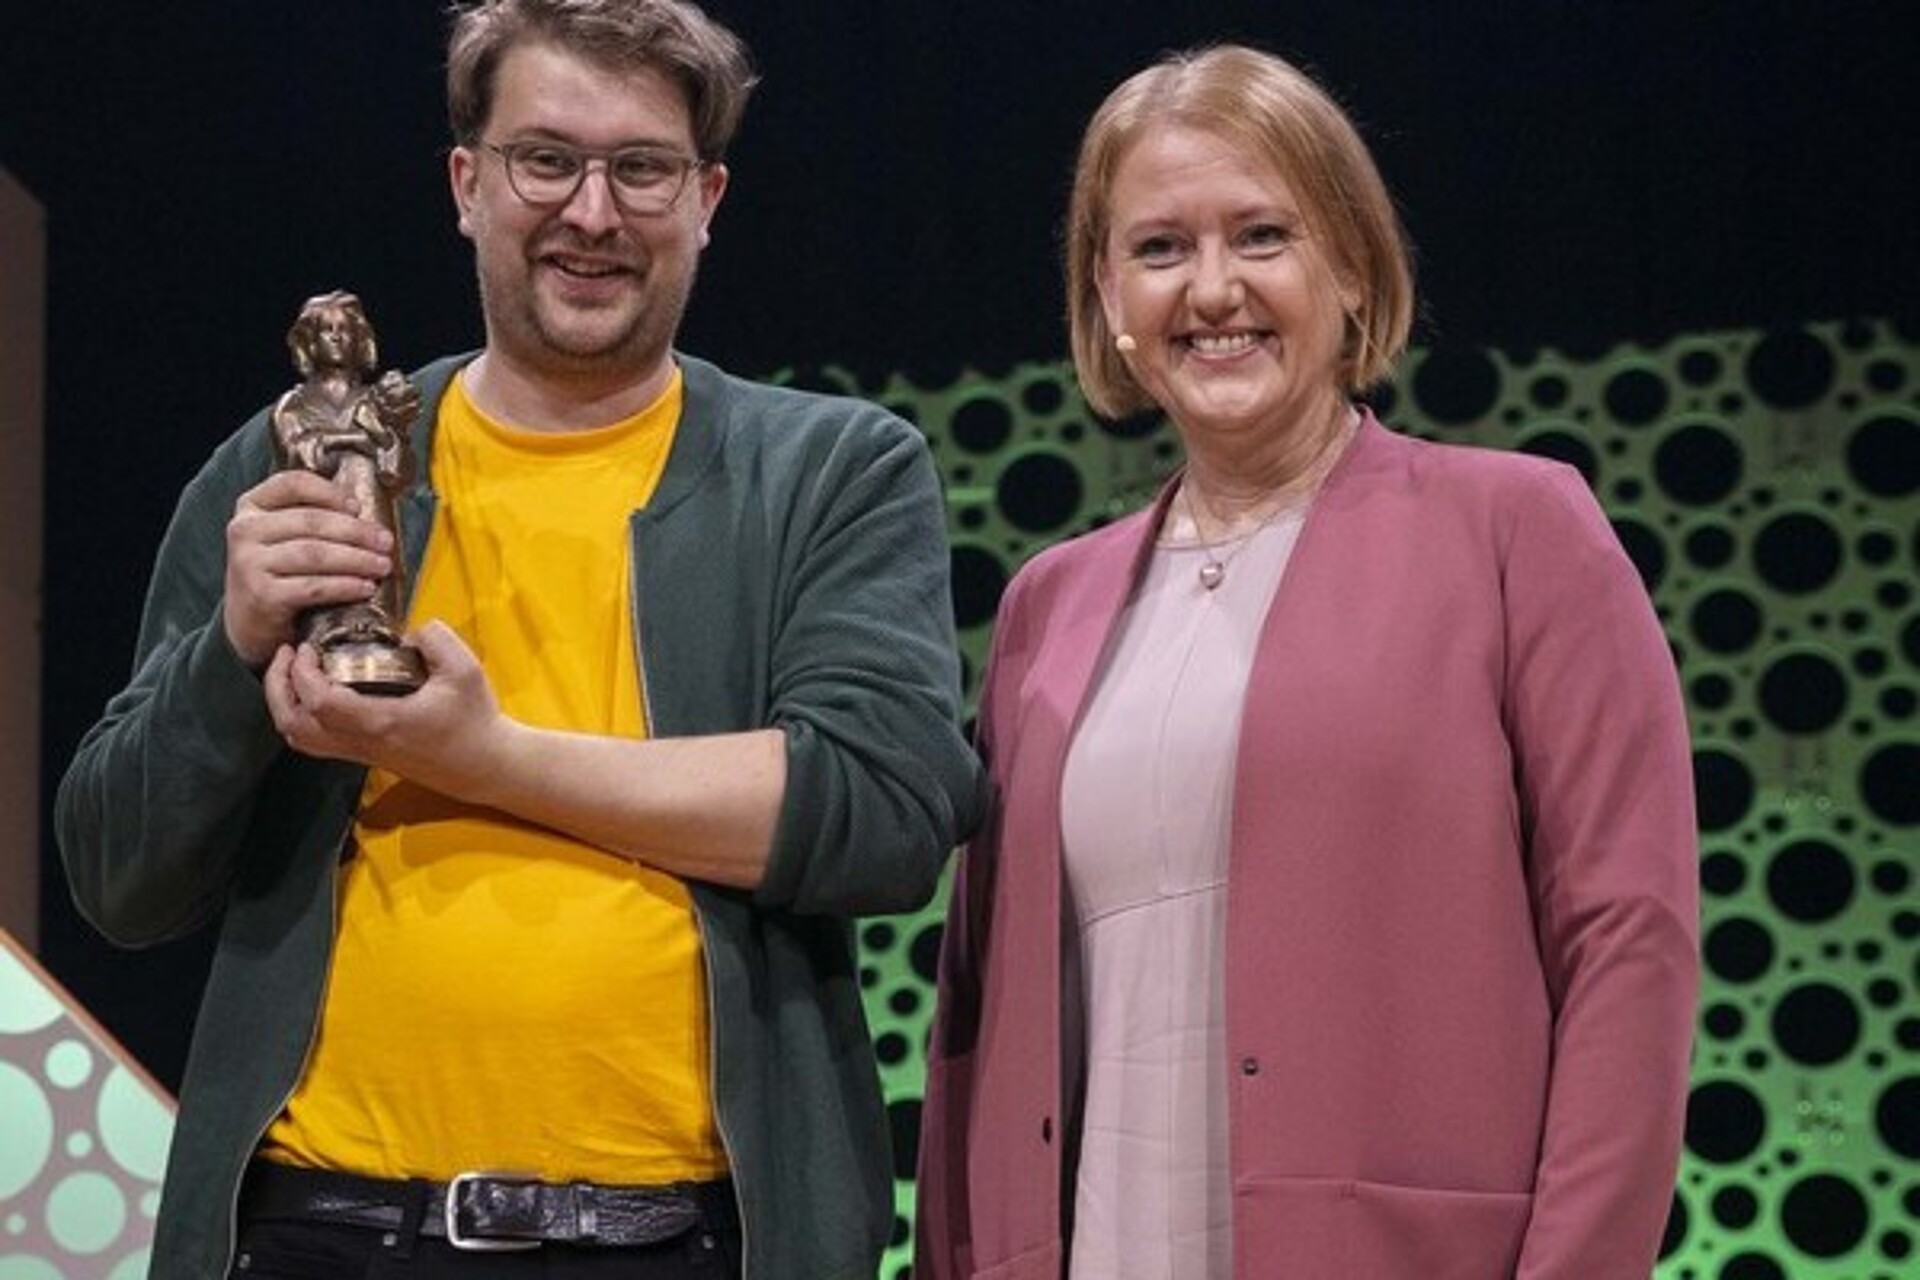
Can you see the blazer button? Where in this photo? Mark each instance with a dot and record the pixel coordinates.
(1249, 1066)
(1046, 1129)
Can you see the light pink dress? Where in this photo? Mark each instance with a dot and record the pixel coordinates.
(1146, 801)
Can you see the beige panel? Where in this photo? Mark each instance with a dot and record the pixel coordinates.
(23, 287)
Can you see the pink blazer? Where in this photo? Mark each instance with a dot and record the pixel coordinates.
(1462, 920)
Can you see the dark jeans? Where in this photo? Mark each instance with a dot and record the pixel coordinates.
(304, 1250)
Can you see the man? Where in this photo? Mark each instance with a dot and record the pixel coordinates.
(578, 908)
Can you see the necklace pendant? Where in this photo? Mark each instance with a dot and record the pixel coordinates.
(1212, 574)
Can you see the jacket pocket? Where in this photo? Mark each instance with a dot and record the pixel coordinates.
(1376, 1231)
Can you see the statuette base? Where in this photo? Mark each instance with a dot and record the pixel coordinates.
(373, 668)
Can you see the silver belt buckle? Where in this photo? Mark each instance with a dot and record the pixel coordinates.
(480, 1244)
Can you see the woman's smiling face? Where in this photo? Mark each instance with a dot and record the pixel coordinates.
(1236, 315)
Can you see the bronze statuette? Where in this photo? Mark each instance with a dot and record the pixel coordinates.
(341, 424)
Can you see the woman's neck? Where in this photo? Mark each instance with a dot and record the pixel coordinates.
(1228, 493)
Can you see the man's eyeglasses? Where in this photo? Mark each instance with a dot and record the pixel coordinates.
(644, 180)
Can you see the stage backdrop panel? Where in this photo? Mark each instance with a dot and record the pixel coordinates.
(1767, 484)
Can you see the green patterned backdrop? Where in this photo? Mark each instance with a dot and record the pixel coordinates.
(1768, 486)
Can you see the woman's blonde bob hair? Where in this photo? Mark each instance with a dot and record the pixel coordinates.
(1276, 112)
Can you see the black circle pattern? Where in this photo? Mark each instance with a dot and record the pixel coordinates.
(1767, 485)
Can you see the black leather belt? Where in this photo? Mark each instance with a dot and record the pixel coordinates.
(491, 1211)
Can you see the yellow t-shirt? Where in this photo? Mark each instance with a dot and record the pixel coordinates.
(503, 996)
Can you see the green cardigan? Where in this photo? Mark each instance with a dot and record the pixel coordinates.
(790, 570)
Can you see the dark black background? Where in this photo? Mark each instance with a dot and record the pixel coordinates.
(1575, 175)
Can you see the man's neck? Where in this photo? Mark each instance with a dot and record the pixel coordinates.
(578, 401)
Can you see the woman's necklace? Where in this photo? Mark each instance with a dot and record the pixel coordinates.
(1214, 571)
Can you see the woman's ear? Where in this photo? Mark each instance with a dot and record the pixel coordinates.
(1347, 287)
(1108, 287)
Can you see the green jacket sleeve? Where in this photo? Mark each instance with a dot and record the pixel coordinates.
(865, 682)
(153, 806)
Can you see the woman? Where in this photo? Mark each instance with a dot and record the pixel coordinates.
(1337, 916)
